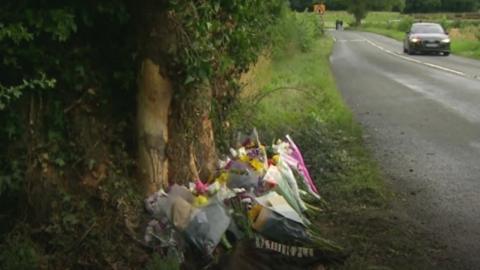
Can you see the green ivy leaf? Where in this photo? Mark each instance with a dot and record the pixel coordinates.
(189, 80)
(60, 162)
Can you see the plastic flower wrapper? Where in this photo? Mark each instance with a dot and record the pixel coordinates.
(290, 154)
(154, 204)
(284, 189)
(214, 187)
(242, 176)
(277, 219)
(222, 163)
(208, 226)
(288, 176)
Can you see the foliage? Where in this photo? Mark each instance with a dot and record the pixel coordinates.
(336, 4)
(413, 6)
(159, 263)
(10, 93)
(66, 104)
(401, 24)
(409, 6)
(19, 252)
(468, 48)
(295, 31)
(359, 9)
(219, 37)
(386, 5)
(301, 5)
(404, 24)
(56, 47)
(422, 6)
(216, 41)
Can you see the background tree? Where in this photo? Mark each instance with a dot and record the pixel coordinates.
(460, 5)
(386, 5)
(302, 5)
(359, 9)
(422, 6)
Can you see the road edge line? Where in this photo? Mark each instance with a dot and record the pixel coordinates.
(459, 73)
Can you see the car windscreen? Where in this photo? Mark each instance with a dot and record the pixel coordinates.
(423, 29)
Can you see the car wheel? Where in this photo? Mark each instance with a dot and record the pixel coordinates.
(404, 50)
(446, 53)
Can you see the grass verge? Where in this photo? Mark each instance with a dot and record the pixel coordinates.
(301, 99)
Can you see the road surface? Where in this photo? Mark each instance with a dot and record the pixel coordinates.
(421, 116)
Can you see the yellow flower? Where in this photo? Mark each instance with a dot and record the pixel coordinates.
(200, 200)
(222, 179)
(244, 158)
(257, 165)
(275, 159)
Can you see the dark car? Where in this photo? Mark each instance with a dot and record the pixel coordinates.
(427, 38)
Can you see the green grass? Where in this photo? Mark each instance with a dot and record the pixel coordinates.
(467, 48)
(372, 17)
(302, 100)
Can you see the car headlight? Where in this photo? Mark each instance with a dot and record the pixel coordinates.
(414, 40)
(446, 40)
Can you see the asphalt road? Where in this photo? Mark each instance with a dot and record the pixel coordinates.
(421, 117)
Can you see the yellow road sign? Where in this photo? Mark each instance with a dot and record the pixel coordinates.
(319, 8)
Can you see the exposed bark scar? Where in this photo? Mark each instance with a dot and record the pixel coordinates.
(155, 146)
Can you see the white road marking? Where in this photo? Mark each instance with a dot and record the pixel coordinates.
(417, 61)
(352, 40)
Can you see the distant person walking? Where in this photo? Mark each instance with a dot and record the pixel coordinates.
(339, 24)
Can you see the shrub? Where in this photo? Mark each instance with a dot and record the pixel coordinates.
(405, 24)
(476, 32)
(296, 31)
(18, 252)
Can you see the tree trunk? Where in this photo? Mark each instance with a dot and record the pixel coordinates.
(153, 101)
(181, 126)
(154, 95)
(358, 21)
(192, 149)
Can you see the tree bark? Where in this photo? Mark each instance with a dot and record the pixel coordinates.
(192, 150)
(180, 127)
(153, 101)
(154, 95)
(358, 21)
